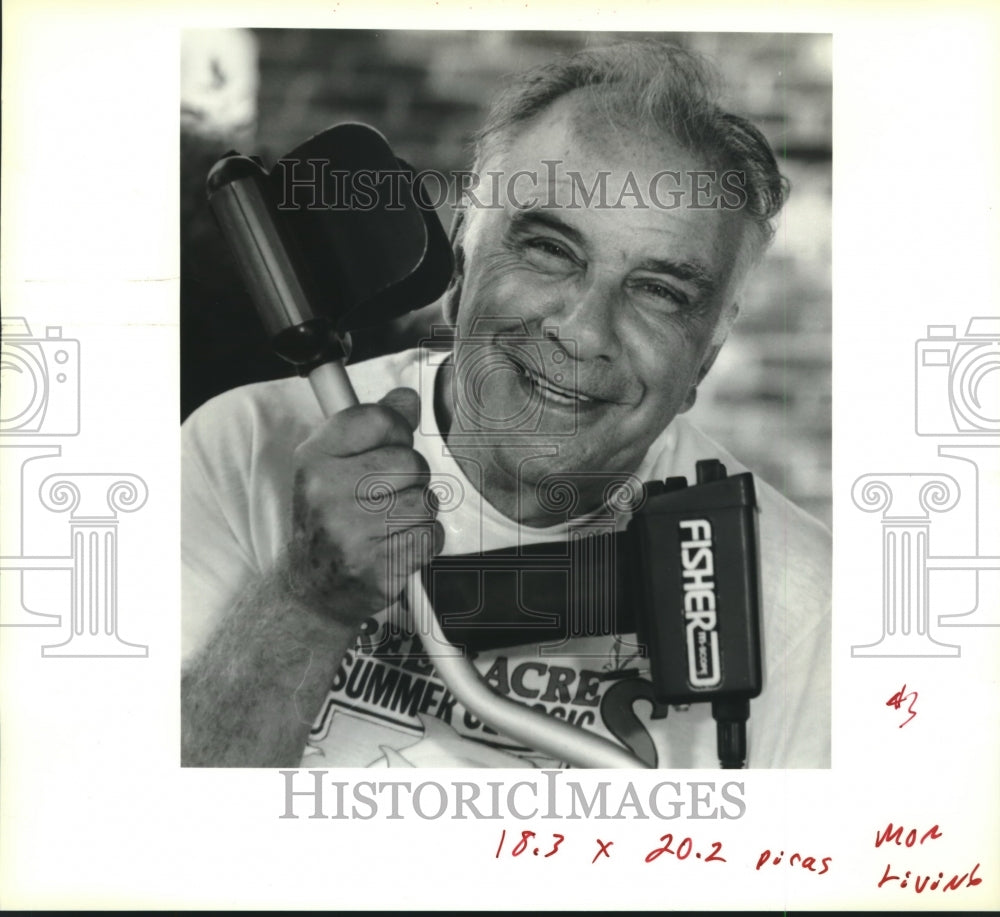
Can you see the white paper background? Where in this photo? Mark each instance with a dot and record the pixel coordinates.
(95, 810)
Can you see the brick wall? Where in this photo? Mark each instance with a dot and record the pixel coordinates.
(768, 398)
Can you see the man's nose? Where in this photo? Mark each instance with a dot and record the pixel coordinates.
(585, 317)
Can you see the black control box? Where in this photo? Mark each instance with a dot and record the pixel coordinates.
(694, 584)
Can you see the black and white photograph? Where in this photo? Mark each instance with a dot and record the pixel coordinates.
(589, 412)
(524, 254)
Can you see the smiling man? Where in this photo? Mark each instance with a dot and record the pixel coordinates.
(588, 303)
(635, 295)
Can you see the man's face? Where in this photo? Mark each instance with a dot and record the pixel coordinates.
(619, 304)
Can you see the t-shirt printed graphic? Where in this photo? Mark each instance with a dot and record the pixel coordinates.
(388, 708)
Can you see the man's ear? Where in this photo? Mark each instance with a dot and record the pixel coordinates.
(719, 338)
(450, 300)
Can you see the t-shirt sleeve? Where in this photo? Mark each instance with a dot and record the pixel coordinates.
(794, 728)
(216, 560)
(793, 711)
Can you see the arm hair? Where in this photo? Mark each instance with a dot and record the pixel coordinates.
(250, 696)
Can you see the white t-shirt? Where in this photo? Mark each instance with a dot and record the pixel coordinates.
(386, 706)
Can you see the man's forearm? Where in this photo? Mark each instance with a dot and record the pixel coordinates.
(249, 697)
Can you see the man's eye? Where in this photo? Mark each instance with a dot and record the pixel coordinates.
(661, 291)
(549, 248)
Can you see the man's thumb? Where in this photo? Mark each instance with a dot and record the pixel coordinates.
(404, 401)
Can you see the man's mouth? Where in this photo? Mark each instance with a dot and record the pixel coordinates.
(550, 389)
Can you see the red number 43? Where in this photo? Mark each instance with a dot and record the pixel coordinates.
(901, 697)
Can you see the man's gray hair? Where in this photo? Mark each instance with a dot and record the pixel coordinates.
(654, 88)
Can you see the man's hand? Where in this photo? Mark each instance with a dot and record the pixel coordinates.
(250, 695)
(363, 518)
